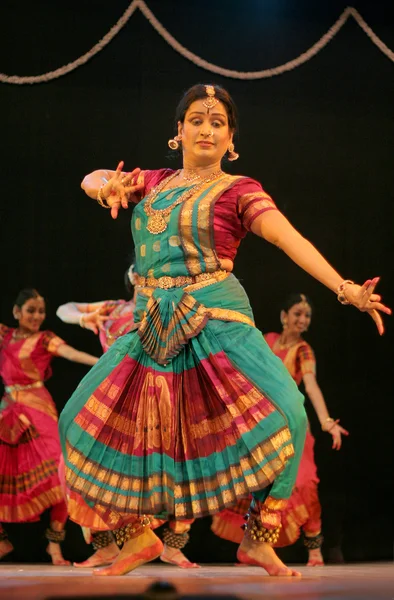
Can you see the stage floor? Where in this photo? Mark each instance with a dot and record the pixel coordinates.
(41, 582)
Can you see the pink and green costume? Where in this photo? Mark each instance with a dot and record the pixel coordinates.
(191, 411)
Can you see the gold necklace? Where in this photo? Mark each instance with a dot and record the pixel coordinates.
(286, 346)
(21, 336)
(192, 176)
(157, 217)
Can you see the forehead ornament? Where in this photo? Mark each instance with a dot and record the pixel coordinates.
(210, 101)
(304, 301)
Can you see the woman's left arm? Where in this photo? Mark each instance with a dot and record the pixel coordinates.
(273, 226)
(315, 395)
(74, 355)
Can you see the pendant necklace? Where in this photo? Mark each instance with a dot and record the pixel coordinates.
(157, 217)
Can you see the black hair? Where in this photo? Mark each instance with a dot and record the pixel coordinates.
(293, 299)
(198, 92)
(126, 279)
(127, 283)
(25, 295)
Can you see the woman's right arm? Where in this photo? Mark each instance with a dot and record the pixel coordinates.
(86, 315)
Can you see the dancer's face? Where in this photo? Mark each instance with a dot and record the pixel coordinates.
(299, 318)
(31, 315)
(205, 134)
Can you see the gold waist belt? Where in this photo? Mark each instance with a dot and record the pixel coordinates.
(171, 282)
(19, 388)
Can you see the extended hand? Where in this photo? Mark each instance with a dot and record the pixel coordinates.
(337, 432)
(94, 321)
(117, 191)
(363, 298)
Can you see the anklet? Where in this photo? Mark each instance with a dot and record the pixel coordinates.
(313, 543)
(256, 531)
(175, 540)
(55, 536)
(131, 530)
(101, 539)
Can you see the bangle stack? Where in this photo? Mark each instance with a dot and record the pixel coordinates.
(100, 198)
(342, 289)
(81, 323)
(328, 420)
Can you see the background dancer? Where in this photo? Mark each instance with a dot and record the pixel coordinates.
(29, 439)
(303, 511)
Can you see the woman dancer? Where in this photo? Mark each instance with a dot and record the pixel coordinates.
(110, 319)
(29, 439)
(192, 411)
(303, 511)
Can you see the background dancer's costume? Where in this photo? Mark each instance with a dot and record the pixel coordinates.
(303, 510)
(120, 321)
(191, 411)
(29, 439)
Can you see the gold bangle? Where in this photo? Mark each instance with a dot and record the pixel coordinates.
(328, 420)
(100, 198)
(341, 291)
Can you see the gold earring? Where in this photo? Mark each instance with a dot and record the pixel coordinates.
(284, 323)
(231, 154)
(174, 142)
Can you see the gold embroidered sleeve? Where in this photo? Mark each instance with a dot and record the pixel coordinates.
(52, 342)
(250, 206)
(307, 361)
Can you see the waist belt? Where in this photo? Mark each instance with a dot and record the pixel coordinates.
(174, 282)
(19, 388)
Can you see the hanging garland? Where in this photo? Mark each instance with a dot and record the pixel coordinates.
(197, 60)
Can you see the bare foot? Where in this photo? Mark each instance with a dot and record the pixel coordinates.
(263, 555)
(103, 556)
(56, 555)
(315, 558)
(5, 548)
(135, 552)
(174, 556)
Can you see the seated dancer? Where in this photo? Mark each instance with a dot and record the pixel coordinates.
(110, 319)
(303, 511)
(192, 411)
(29, 439)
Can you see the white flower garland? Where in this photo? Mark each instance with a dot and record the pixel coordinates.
(197, 60)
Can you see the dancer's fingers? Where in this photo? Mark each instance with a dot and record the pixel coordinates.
(378, 320)
(115, 210)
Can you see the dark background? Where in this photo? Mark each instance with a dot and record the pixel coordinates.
(319, 138)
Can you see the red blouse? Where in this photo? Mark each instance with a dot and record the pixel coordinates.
(234, 211)
(299, 358)
(28, 360)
